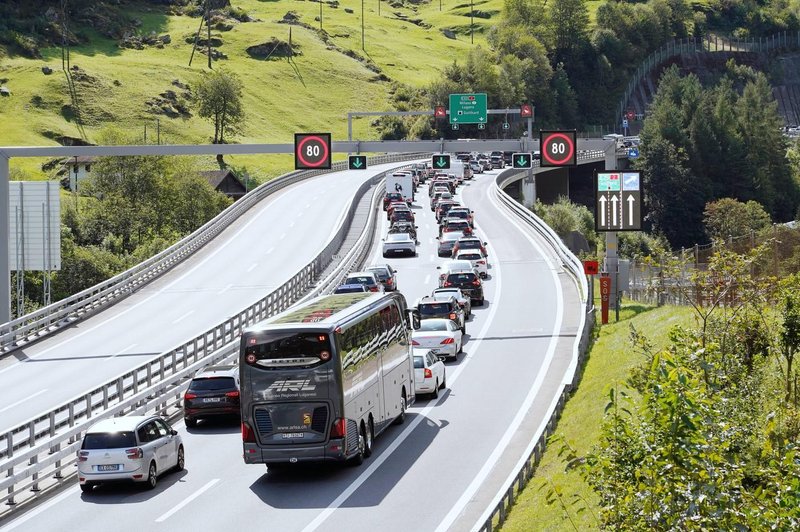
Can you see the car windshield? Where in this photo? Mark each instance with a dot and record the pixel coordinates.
(398, 237)
(452, 236)
(109, 440)
(432, 309)
(469, 244)
(433, 325)
(360, 279)
(460, 278)
(347, 289)
(454, 213)
(380, 273)
(469, 256)
(207, 384)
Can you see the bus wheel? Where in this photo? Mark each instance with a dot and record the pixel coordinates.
(369, 439)
(402, 417)
(358, 459)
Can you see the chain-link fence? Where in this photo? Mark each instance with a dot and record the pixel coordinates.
(672, 279)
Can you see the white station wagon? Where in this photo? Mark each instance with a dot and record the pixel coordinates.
(132, 448)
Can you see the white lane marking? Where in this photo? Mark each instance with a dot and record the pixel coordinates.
(187, 500)
(270, 250)
(117, 353)
(422, 415)
(252, 267)
(183, 317)
(427, 279)
(12, 405)
(500, 448)
(225, 289)
(291, 224)
(283, 235)
(308, 204)
(210, 256)
(27, 516)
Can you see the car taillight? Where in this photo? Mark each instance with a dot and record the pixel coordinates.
(232, 394)
(339, 428)
(248, 436)
(481, 262)
(447, 283)
(414, 342)
(452, 315)
(373, 288)
(428, 373)
(83, 456)
(189, 395)
(135, 453)
(476, 282)
(447, 341)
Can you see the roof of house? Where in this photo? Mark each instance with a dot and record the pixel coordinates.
(215, 177)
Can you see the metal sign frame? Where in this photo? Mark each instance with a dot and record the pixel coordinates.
(618, 201)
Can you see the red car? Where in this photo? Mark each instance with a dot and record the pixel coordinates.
(390, 197)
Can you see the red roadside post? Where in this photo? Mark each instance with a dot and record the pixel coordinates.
(605, 292)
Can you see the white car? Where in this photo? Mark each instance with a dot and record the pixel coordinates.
(477, 259)
(429, 373)
(131, 448)
(442, 336)
(452, 266)
(399, 244)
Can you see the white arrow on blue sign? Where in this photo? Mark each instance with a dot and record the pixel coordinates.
(633, 153)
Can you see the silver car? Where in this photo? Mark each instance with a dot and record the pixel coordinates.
(132, 448)
(399, 244)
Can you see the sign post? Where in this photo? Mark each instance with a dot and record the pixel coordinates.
(468, 108)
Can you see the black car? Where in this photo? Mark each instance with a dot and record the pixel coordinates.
(213, 392)
(446, 243)
(469, 283)
(404, 227)
(448, 309)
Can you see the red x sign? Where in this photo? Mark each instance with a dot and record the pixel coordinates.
(439, 111)
(526, 110)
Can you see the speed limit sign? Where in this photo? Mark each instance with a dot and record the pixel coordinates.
(557, 148)
(312, 151)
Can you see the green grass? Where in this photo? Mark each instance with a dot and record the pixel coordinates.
(609, 363)
(314, 93)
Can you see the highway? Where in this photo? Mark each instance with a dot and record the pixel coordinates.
(256, 254)
(438, 471)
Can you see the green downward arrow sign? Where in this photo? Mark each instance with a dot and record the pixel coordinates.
(357, 163)
(522, 161)
(440, 162)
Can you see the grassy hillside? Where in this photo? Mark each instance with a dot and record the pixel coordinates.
(314, 92)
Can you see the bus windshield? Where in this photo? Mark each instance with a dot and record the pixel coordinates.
(288, 350)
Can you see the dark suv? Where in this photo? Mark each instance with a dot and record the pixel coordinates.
(213, 392)
(469, 283)
(449, 309)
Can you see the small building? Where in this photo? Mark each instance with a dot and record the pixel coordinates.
(79, 167)
(225, 181)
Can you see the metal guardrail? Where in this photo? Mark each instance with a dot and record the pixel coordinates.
(25, 445)
(509, 176)
(707, 44)
(65, 312)
(525, 468)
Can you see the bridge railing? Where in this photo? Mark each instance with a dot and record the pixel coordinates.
(41, 446)
(785, 40)
(497, 511)
(65, 312)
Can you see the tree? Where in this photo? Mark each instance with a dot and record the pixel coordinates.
(219, 96)
(728, 218)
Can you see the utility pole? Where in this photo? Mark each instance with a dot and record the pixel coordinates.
(208, 25)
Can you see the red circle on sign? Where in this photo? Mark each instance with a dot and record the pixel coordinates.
(567, 140)
(324, 151)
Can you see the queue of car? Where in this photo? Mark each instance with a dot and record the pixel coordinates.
(140, 449)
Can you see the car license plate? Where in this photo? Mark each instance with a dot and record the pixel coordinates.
(111, 467)
(290, 435)
(212, 399)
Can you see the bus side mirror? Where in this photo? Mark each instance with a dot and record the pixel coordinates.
(412, 316)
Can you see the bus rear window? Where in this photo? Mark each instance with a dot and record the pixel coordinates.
(288, 350)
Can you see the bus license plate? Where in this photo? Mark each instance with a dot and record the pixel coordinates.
(290, 435)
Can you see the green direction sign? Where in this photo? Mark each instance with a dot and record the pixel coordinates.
(608, 181)
(468, 108)
(521, 160)
(441, 162)
(357, 162)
